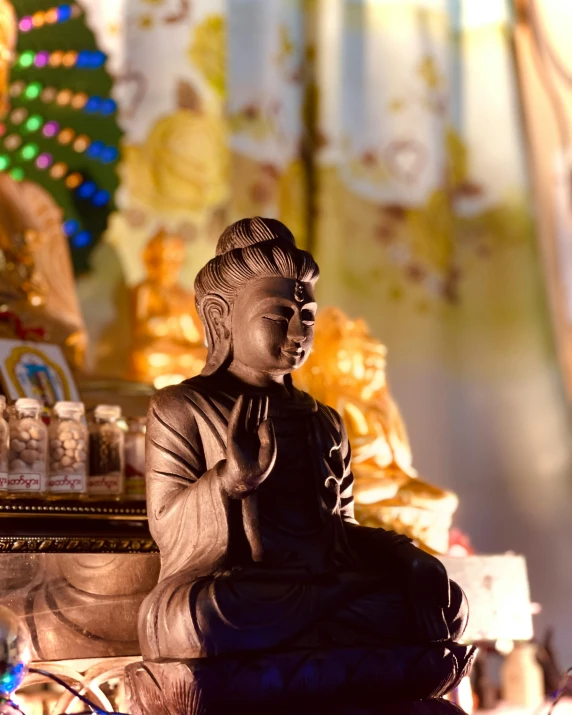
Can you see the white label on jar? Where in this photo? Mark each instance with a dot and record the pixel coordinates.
(105, 484)
(66, 483)
(31, 482)
(3, 481)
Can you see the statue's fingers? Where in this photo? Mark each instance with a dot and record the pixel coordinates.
(248, 415)
(265, 407)
(236, 416)
(259, 408)
(268, 448)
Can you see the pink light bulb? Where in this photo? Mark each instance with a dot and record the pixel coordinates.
(26, 24)
(42, 58)
(44, 160)
(50, 129)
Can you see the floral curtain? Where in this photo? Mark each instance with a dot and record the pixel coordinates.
(388, 135)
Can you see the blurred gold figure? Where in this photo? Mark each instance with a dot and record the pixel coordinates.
(168, 339)
(347, 371)
(8, 36)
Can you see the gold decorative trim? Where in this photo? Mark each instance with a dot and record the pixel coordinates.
(125, 513)
(71, 544)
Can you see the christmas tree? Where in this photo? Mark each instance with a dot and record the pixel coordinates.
(60, 130)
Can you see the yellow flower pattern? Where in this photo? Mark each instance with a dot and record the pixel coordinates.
(207, 51)
(182, 167)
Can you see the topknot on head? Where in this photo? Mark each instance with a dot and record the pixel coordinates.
(251, 231)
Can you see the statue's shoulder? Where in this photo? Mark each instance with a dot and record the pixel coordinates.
(189, 394)
(330, 416)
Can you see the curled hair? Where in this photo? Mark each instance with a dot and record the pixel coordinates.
(249, 249)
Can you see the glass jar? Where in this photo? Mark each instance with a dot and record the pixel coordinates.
(28, 454)
(135, 459)
(68, 450)
(106, 453)
(4, 444)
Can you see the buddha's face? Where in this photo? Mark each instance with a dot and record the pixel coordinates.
(273, 325)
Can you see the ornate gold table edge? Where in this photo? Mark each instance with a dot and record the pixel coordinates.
(71, 544)
(74, 526)
(77, 510)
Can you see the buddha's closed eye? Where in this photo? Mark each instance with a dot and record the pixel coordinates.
(280, 319)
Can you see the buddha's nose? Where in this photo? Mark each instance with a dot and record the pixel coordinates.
(296, 332)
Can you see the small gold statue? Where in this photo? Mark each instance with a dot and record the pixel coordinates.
(36, 276)
(8, 36)
(168, 344)
(347, 370)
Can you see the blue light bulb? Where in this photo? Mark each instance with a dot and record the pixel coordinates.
(108, 106)
(87, 190)
(109, 155)
(95, 148)
(64, 13)
(82, 239)
(93, 104)
(101, 198)
(70, 227)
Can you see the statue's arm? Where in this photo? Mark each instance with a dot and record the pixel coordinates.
(368, 541)
(186, 504)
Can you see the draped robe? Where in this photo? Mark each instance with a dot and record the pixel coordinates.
(223, 585)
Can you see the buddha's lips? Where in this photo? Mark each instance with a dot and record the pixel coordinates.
(295, 352)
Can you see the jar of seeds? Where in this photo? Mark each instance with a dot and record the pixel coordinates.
(135, 459)
(68, 450)
(4, 442)
(106, 453)
(28, 454)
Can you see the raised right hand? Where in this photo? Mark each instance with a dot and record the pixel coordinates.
(251, 447)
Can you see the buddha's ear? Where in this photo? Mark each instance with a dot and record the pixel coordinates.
(217, 316)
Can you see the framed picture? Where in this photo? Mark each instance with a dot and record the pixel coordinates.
(36, 370)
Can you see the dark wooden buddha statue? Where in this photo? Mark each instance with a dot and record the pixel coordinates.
(263, 565)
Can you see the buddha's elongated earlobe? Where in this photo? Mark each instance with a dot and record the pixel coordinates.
(216, 317)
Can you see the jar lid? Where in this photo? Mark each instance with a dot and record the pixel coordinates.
(28, 403)
(107, 412)
(66, 407)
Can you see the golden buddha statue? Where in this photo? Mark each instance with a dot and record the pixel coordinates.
(36, 276)
(168, 340)
(347, 370)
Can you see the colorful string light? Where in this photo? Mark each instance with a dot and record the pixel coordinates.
(82, 239)
(12, 142)
(96, 150)
(58, 14)
(74, 180)
(66, 136)
(59, 170)
(50, 129)
(18, 115)
(85, 59)
(30, 122)
(44, 160)
(79, 237)
(95, 104)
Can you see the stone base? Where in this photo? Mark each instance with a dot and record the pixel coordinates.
(403, 680)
